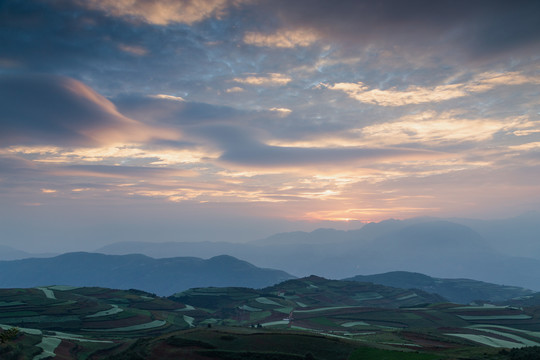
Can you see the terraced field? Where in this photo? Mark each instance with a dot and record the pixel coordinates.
(83, 321)
(229, 323)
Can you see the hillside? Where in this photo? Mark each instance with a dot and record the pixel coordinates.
(525, 300)
(78, 323)
(308, 318)
(304, 294)
(462, 291)
(160, 276)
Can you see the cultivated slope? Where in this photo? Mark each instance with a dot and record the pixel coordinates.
(461, 291)
(306, 293)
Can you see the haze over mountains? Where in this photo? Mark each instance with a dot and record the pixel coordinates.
(438, 248)
(435, 247)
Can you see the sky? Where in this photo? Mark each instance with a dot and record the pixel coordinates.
(231, 120)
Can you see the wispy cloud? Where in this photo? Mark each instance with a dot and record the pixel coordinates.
(432, 128)
(60, 110)
(282, 38)
(133, 49)
(48, 191)
(235, 89)
(168, 97)
(163, 12)
(281, 111)
(272, 79)
(419, 94)
(115, 154)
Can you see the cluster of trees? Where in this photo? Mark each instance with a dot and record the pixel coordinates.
(8, 335)
(526, 353)
(8, 351)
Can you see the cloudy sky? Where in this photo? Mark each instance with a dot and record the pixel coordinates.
(164, 120)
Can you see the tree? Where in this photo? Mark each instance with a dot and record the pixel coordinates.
(8, 335)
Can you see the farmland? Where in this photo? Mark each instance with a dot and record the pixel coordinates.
(328, 319)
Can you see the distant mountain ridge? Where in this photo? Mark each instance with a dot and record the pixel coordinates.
(439, 248)
(10, 253)
(161, 276)
(516, 236)
(461, 291)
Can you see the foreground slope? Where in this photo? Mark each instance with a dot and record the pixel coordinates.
(308, 318)
(76, 323)
(160, 276)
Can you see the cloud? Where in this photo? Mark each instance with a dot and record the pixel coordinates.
(393, 97)
(479, 29)
(135, 50)
(281, 111)
(175, 111)
(163, 12)
(115, 154)
(121, 172)
(234, 89)
(282, 38)
(242, 149)
(168, 97)
(272, 79)
(432, 128)
(526, 147)
(419, 94)
(39, 109)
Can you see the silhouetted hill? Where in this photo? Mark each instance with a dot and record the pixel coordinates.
(161, 276)
(461, 291)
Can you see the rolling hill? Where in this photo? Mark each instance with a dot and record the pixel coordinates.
(304, 294)
(462, 291)
(298, 319)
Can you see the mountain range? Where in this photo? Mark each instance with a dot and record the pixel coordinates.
(485, 250)
(172, 275)
(442, 249)
(160, 276)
